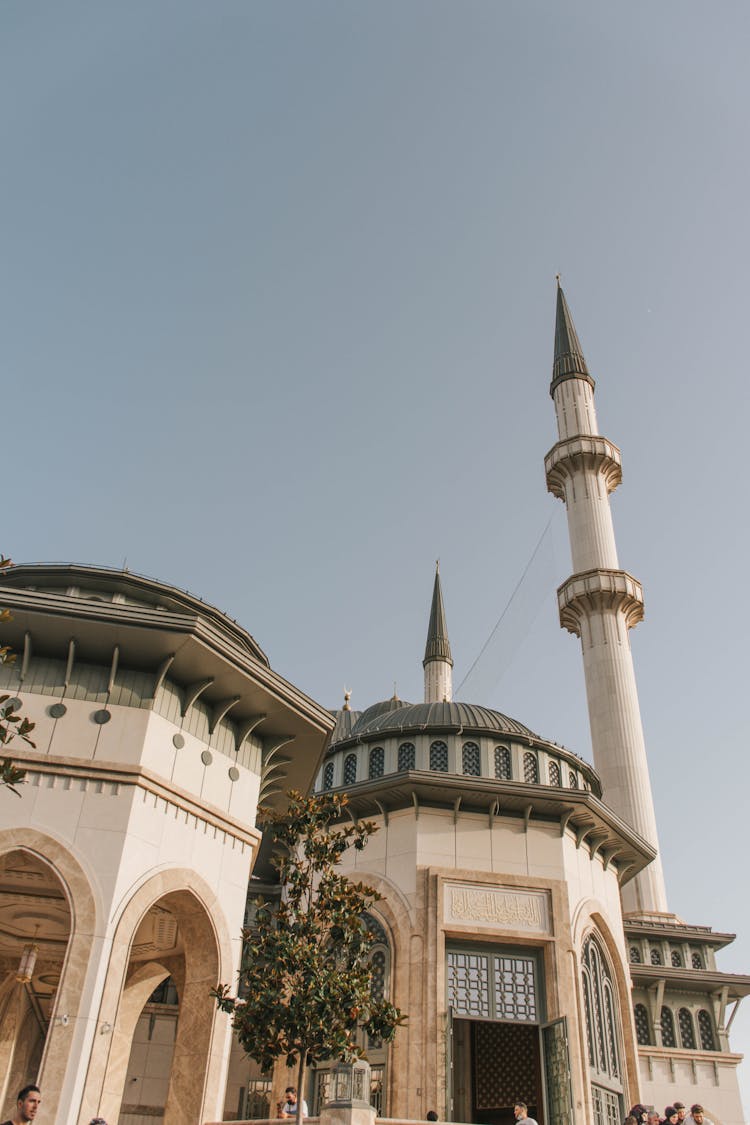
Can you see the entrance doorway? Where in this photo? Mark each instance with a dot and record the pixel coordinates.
(495, 1065)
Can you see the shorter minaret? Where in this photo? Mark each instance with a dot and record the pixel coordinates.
(437, 663)
(601, 602)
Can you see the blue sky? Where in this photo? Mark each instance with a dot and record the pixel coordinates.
(276, 324)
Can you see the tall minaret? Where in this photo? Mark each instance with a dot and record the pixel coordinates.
(600, 602)
(437, 663)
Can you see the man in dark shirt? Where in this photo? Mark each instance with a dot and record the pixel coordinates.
(27, 1104)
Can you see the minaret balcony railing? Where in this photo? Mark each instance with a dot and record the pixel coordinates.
(596, 590)
(584, 451)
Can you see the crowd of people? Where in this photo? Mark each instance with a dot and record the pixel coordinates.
(675, 1114)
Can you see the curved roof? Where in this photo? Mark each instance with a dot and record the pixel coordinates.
(393, 716)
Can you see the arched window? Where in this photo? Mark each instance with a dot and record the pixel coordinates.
(407, 757)
(350, 769)
(601, 1015)
(676, 959)
(502, 763)
(439, 757)
(377, 761)
(696, 961)
(380, 964)
(328, 776)
(668, 1038)
(530, 768)
(656, 957)
(554, 773)
(706, 1030)
(641, 1025)
(635, 955)
(470, 760)
(687, 1032)
(572, 780)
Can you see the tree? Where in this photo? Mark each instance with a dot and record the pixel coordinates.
(305, 983)
(12, 724)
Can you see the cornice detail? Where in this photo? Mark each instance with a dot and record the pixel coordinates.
(109, 779)
(595, 590)
(584, 451)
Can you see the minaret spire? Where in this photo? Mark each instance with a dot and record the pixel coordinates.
(437, 663)
(601, 602)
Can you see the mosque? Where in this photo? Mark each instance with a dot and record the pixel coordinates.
(523, 927)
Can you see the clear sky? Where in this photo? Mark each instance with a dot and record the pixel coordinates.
(276, 325)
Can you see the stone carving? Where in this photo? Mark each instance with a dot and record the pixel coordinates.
(497, 907)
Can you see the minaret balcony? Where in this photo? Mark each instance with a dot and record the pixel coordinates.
(582, 452)
(596, 590)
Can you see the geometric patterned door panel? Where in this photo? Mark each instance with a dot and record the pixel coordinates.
(506, 1064)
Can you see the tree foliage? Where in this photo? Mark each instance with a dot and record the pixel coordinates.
(305, 985)
(12, 724)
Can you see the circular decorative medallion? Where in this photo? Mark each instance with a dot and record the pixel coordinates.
(207, 757)
(234, 773)
(178, 741)
(57, 710)
(102, 716)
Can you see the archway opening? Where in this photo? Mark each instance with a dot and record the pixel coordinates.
(161, 1045)
(35, 927)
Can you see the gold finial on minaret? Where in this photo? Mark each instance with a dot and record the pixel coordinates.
(558, 279)
(395, 693)
(347, 697)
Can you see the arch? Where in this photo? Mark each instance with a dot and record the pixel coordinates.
(706, 1030)
(63, 1043)
(687, 1030)
(376, 764)
(668, 1037)
(210, 956)
(439, 756)
(471, 762)
(350, 769)
(530, 768)
(502, 763)
(642, 1031)
(590, 916)
(328, 775)
(407, 757)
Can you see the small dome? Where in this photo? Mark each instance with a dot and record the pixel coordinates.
(378, 710)
(345, 722)
(396, 716)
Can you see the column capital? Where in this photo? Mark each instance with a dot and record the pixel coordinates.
(583, 451)
(597, 590)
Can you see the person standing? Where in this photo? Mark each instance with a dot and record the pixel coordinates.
(681, 1111)
(27, 1104)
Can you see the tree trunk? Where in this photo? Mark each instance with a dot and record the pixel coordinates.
(300, 1086)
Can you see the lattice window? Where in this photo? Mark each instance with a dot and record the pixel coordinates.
(706, 1030)
(439, 757)
(530, 768)
(696, 961)
(553, 770)
(515, 989)
(350, 769)
(601, 1012)
(656, 958)
(687, 1031)
(328, 776)
(502, 763)
(470, 759)
(641, 1025)
(635, 955)
(676, 959)
(407, 757)
(572, 780)
(377, 761)
(469, 984)
(607, 1106)
(373, 926)
(668, 1037)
